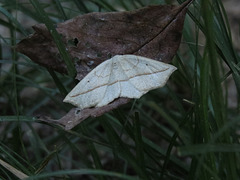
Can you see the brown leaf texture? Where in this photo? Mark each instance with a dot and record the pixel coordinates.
(153, 32)
(76, 116)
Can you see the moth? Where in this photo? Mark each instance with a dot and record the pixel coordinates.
(127, 76)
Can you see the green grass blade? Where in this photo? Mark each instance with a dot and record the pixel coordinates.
(55, 35)
(81, 172)
(13, 20)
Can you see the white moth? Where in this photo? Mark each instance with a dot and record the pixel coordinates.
(128, 76)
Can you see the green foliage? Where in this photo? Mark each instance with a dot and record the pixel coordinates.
(186, 130)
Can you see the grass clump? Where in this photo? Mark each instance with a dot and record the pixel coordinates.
(186, 130)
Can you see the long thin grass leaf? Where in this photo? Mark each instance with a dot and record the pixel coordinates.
(55, 35)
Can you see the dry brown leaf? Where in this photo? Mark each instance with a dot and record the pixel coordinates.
(75, 116)
(153, 32)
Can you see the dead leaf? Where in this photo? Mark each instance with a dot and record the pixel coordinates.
(75, 116)
(153, 32)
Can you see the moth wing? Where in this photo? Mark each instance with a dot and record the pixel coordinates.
(90, 90)
(143, 74)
